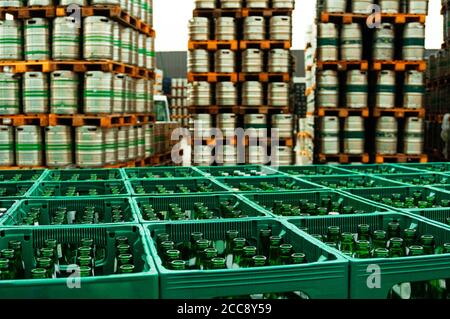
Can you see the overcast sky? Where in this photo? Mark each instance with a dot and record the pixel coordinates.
(171, 19)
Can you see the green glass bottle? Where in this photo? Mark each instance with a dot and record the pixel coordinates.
(38, 273)
(428, 243)
(364, 232)
(394, 230)
(164, 247)
(333, 234)
(286, 251)
(230, 236)
(347, 242)
(248, 254)
(169, 256)
(274, 250)
(362, 249)
(196, 261)
(5, 273)
(298, 258)
(238, 251)
(177, 265)
(49, 253)
(19, 265)
(209, 254)
(264, 241)
(85, 271)
(381, 253)
(126, 269)
(259, 261)
(396, 247)
(379, 239)
(218, 263)
(46, 263)
(9, 255)
(409, 237)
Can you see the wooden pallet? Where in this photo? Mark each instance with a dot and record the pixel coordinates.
(213, 109)
(289, 142)
(264, 44)
(212, 77)
(269, 12)
(343, 65)
(269, 110)
(401, 158)
(435, 118)
(28, 12)
(217, 13)
(347, 18)
(23, 119)
(400, 66)
(344, 158)
(8, 168)
(158, 159)
(399, 112)
(111, 11)
(342, 112)
(77, 66)
(106, 121)
(265, 77)
(213, 45)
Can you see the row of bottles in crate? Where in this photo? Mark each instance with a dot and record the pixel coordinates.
(53, 259)
(63, 39)
(228, 61)
(387, 136)
(60, 91)
(361, 6)
(350, 46)
(141, 9)
(238, 4)
(250, 93)
(86, 146)
(392, 89)
(254, 28)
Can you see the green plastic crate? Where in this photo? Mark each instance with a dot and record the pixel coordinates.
(186, 203)
(442, 188)
(233, 183)
(245, 170)
(334, 182)
(16, 190)
(366, 193)
(312, 170)
(438, 215)
(103, 189)
(266, 200)
(160, 172)
(8, 206)
(392, 270)
(190, 183)
(377, 169)
(48, 208)
(143, 284)
(429, 167)
(73, 175)
(417, 179)
(327, 278)
(13, 176)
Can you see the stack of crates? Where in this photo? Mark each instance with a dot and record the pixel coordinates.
(76, 92)
(438, 90)
(240, 68)
(136, 209)
(370, 104)
(179, 108)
